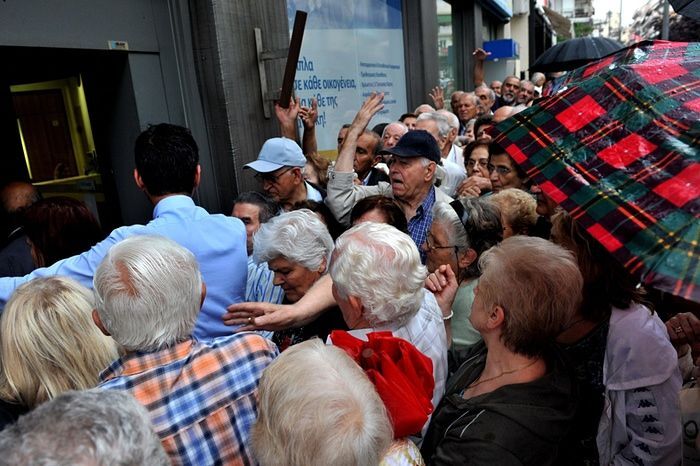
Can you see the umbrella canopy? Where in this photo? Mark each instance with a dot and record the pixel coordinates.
(619, 148)
(574, 53)
(689, 8)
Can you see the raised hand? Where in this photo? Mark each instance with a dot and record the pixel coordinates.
(309, 115)
(287, 118)
(444, 285)
(438, 96)
(481, 54)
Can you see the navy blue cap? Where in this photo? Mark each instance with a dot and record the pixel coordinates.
(416, 143)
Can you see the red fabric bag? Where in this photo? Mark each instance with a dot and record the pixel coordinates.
(402, 375)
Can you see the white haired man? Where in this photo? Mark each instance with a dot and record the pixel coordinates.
(84, 428)
(392, 133)
(439, 127)
(201, 395)
(412, 173)
(372, 253)
(467, 109)
(487, 98)
(451, 151)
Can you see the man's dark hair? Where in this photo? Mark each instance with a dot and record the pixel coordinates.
(377, 137)
(166, 158)
(407, 115)
(268, 207)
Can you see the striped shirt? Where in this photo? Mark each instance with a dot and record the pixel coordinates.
(260, 286)
(201, 396)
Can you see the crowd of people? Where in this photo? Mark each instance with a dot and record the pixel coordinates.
(418, 301)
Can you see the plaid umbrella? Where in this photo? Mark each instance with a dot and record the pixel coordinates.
(618, 148)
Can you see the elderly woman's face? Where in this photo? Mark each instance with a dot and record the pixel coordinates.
(294, 279)
(438, 250)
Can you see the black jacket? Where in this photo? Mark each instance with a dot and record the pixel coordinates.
(375, 176)
(519, 424)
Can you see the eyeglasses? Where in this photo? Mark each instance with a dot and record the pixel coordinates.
(500, 170)
(482, 163)
(270, 177)
(432, 247)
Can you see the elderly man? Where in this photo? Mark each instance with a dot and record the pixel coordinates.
(254, 209)
(439, 127)
(367, 157)
(467, 108)
(279, 168)
(372, 253)
(412, 173)
(85, 428)
(495, 86)
(451, 151)
(486, 100)
(392, 133)
(167, 171)
(510, 87)
(201, 396)
(526, 94)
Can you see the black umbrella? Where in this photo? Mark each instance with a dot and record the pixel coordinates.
(689, 8)
(573, 53)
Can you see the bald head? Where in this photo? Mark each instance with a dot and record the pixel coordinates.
(18, 195)
(502, 113)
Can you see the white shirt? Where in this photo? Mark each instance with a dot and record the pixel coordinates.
(456, 155)
(454, 175)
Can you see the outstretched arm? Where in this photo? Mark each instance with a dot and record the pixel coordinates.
(268, 316)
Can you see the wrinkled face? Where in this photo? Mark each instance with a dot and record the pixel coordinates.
(484, 96)
(364, 155)
(249, 214)
(466, 108)
(496, 86)
(503, 173)
(545, 204)
(280, 184)
(432, 127)
(410, 122)
(510, 89)
(392, 134)
(294, 279)
(478, 162)
(341, 137)
(409, 178)
(438, 249)
(526, 94)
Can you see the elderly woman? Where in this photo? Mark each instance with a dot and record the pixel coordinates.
(518, 211)
(378, 285)
(624, 362)
(460, 233)
(297, 248)
(512, 401)
(331, 415)
(476, 161)
(48, 345)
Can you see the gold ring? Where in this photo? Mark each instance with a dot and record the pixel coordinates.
(679, 329)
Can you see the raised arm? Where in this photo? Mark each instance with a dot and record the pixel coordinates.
(287, 118)
(479, 57)
(308, 116)
(370, 107)
(438, 96)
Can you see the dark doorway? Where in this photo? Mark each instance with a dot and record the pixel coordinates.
(38, 142)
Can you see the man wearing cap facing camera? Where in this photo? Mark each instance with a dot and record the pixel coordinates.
(412, 169)
(278, 168)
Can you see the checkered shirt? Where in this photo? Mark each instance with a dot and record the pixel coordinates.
(419, 224)
(201, 396)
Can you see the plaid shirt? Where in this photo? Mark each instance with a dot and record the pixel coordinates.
(201, 396)
(420, 223)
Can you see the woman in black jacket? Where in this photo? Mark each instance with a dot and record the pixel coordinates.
(512, 401)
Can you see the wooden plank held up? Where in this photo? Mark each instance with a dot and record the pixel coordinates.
(292, 58)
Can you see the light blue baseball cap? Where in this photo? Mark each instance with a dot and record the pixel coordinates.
(277, 153)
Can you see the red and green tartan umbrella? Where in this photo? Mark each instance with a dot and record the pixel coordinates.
(618, 148)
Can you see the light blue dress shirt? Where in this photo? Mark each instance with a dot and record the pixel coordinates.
(217, 241)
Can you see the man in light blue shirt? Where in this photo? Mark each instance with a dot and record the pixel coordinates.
(168, 171)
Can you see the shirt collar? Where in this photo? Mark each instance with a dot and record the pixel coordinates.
(171, 202)
(139, 361)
